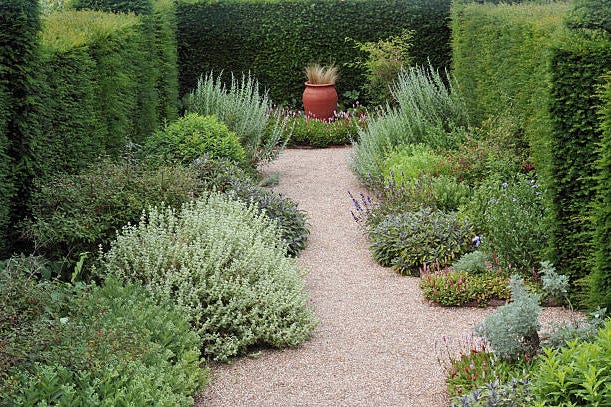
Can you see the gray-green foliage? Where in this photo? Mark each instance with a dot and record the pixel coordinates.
(554, 284)
(429, 112)
(409, 240)
(474, 262)
(244, 109)
(422, 91)
(225, 265)
(512, 331)
(498, 394)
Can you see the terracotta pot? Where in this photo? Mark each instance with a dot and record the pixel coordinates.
(319, 101)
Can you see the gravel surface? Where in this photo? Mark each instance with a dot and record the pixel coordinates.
(375, 342)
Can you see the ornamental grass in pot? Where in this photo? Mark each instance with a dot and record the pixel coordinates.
(319, 96)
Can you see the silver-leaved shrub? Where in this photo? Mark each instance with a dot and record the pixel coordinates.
(512, 331)
(225, 265)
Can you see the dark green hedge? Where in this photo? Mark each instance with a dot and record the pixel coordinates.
(591, 14)
(90, 99)
(577, 67)
(601, 277)
(19, 26)
(276, 39)
(520, 61)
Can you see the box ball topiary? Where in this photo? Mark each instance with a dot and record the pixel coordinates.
(191, 137)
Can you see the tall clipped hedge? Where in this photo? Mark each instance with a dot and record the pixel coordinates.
(276, 39)
(159, 101)
(500, 57)
(577, 68)
(601, 277)
(89, 104)
(521, 61)
(19, 25)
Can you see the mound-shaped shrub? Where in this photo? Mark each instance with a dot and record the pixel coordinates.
(191, 137)
(73, 214)
(407, 241)
(225, 265)
(291, 220)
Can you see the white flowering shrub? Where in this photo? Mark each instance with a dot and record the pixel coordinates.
(225, 265)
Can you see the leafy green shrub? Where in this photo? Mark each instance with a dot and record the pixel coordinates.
(77, 346)
(291, 220)
(512, 331)
(276, 39)
(73, 214)
(576, 375)
(429, 113)
(244, 110)
(407, 241)
(385, 59)
(494, 149)
(473, 263)
(412, 161)
(225, 265)
(191, 137)
(456, 288)
(511, 216)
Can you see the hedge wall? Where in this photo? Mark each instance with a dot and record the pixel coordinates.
(601, 277)
(108, 79)
(19, 25)
(91, 64)
(500, 59)
(577, 67)
(276, 39)
(521, 61)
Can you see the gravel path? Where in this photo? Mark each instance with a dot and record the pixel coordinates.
(374, 345)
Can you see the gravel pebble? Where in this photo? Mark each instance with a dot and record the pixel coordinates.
(375, 342)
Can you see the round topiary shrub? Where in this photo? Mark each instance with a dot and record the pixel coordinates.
(406, 241)
(191, 137)
(225, 265)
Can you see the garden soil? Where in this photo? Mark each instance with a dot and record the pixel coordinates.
(375, 344)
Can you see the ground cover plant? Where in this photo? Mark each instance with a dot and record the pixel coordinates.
(77, 345)
(225, 265)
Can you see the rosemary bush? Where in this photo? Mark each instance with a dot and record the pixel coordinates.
(225, 265)
(244, 109)
(429, 113)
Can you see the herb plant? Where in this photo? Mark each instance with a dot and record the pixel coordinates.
(225, 265)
